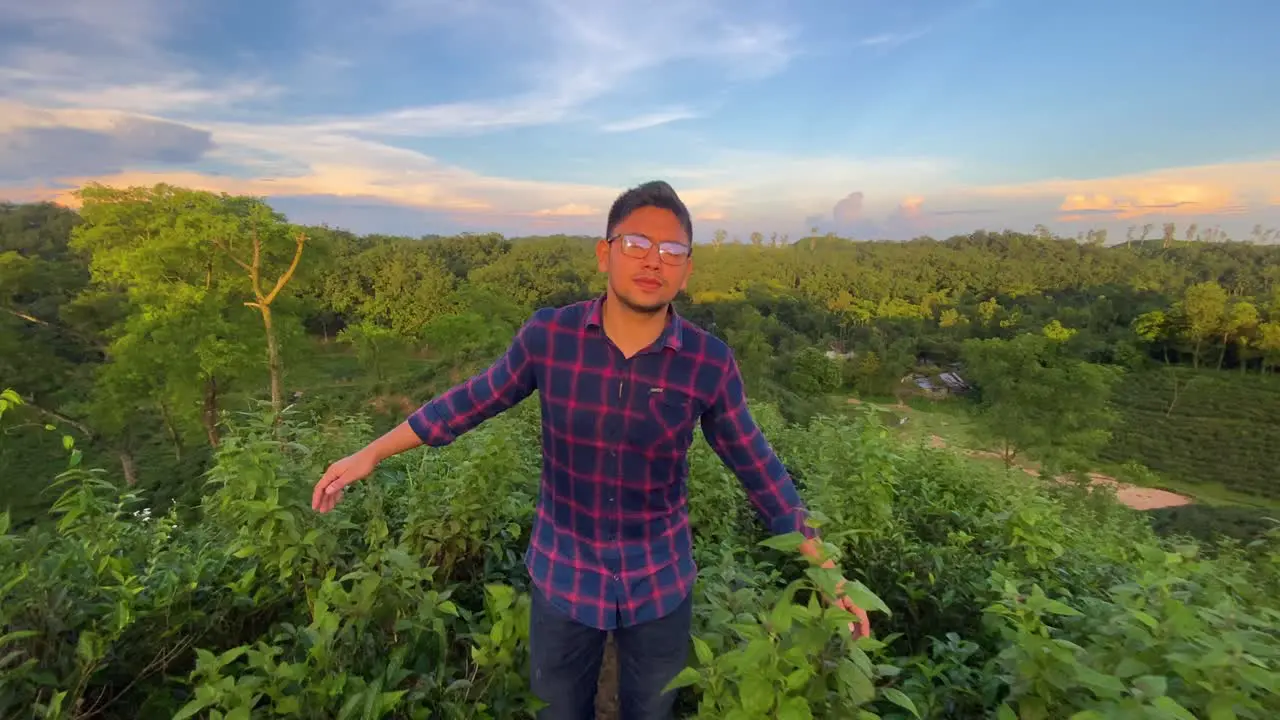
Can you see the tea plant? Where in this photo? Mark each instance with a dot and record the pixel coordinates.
(991, 594)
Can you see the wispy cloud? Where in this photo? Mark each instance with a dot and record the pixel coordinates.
(591, 49)
(892, 39)
(648, 120)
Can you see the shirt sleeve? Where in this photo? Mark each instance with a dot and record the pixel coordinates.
(510, 379)
(733, 434)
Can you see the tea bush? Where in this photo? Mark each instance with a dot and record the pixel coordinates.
(991, 594)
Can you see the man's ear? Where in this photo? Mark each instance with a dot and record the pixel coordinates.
(688, 270)
(602, 255)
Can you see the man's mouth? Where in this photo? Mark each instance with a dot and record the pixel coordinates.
(648, 283)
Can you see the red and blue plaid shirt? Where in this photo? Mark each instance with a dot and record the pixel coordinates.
(611, 540)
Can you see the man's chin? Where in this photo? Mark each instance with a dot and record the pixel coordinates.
(646, 307)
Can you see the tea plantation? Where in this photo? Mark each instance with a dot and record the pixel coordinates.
(991, 594)
(1201, 426)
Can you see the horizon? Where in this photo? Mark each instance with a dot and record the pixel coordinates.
(528, 117)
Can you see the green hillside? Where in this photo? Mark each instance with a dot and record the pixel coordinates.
(1201, 426)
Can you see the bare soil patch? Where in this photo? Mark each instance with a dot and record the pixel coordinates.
(1135, 496)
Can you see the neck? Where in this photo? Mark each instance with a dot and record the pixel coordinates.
(630, 328)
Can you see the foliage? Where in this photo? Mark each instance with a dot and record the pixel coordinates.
(1210, 524)
(990, 596)
(1034, 397)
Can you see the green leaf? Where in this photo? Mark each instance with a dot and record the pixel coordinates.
(1006, 713)
(794, 708)
(899, 698)
(1146, 619)
(862, 596)
(1221, 707)
(702, 650)
(1152, 686)
(191, 708)
(1130, 667)
(1171, 706)
(1060, 608)
(789, 542)
(757, 698)
(798, 678)
(688, 676)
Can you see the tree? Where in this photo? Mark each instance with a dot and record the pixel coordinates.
(1034, 398)
(1268, 343)
(813, 373)
(184, 320)
(1152, 327)
(1238, 323)
(1202, 309)
(265, 224)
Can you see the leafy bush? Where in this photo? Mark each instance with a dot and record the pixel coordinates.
(991, 594)
(1209, 523)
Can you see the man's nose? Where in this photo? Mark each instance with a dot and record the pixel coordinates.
(653, 259)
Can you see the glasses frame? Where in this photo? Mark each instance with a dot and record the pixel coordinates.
(665, 254)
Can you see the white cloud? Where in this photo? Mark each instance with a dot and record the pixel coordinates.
(588, 49)
(892, 39)
(648, 120)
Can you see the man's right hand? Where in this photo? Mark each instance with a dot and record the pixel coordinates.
(339, 475)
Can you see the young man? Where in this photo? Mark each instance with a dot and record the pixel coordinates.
(623, 381)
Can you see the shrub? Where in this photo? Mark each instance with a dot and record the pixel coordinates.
(991, 594)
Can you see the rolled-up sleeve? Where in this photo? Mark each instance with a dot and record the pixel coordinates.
(733, 434)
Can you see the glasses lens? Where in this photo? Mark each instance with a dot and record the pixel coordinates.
(638, 246)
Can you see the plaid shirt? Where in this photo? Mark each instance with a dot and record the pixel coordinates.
(611, 541)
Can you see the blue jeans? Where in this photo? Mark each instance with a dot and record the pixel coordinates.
(566, 657)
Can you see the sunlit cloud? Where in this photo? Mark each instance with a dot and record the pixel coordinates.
(910, 206)
(568, 210)
(1218, 189)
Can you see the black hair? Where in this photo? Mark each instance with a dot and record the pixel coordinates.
(654, 193)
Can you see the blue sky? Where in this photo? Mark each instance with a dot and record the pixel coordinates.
(870, 118)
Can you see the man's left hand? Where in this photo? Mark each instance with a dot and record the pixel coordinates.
(862, 626)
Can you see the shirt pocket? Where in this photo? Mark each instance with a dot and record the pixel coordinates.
(663, 420)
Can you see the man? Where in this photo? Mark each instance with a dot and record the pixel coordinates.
(622, 380)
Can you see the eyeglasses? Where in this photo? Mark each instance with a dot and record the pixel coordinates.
(638, 246)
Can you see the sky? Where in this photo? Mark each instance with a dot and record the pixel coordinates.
(877, 119)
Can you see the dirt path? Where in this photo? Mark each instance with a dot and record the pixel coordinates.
(1135, 496)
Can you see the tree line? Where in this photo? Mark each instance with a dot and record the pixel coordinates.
(141, 318)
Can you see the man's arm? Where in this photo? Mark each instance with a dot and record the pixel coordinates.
(439, 422)
(734, 435)
(505, 383)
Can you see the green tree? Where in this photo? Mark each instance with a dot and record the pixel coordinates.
(813, 373)
(264, 225)
(186, 321)
(1034, 398)
(1202, 309)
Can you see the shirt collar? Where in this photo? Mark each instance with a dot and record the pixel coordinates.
(672, 333)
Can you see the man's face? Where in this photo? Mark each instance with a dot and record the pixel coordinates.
(648, 283)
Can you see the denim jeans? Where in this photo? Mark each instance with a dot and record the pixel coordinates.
(566, 658)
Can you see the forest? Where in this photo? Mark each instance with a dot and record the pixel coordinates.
(179, 367)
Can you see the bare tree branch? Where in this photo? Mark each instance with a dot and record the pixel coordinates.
(297, 255)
